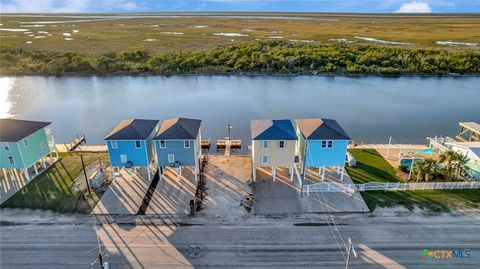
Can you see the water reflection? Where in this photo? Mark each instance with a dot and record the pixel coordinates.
(370, 109)
(6, 85)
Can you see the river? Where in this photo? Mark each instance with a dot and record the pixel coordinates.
(371, 109)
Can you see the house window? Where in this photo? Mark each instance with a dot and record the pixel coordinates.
(162, 144)
(281, 144)
(6, 147)
(138, 144)
(265, 159)
(123, 158)
(186, 144)
(44, 148)
(327, 143)
(11, 160)
(171, 158)
(114, 144)
(25, 142)
(265, 144)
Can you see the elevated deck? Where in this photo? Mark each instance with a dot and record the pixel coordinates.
(469, 132)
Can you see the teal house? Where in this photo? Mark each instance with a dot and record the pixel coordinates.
(178, 143)
(322, 143)
(130, 145)
(24, 147)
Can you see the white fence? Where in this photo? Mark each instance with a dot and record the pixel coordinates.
(390, 186)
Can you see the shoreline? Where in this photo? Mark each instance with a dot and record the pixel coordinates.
(243, 74)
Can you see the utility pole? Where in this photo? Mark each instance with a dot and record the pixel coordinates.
(85, 173)
(304, 166)
(350, 250)
(229, 127)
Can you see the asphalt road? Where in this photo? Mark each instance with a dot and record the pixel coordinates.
(287, 242)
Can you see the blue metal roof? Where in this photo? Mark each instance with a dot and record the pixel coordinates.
(272, 130)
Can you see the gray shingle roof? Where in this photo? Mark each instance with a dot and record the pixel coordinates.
(12, 130)
(272, 130)
(319, 129)
(178, 128)
(132, 129)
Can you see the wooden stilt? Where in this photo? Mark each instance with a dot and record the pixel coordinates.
(323, 173)
(343, 172)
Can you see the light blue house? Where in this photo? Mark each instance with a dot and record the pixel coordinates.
(322, 143)
(24, 145)
(130, 145)
(178, 143)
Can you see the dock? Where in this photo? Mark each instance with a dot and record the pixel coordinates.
(228, 145)
(206, 144)
(75, 143)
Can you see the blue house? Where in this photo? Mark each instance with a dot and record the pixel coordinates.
(24, 145)
(178, 143)
(130, 144)
(322, 143)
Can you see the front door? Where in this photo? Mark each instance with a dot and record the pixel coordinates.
(171, 158)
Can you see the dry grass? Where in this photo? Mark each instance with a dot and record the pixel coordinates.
(119, 34)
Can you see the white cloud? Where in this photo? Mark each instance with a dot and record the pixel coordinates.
(25, 6)
(414, 7)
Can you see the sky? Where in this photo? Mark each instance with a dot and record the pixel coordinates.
(363, 6)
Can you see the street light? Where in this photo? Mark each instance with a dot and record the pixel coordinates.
(229, 127)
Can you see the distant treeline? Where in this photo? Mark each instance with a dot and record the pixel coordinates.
(273, 57)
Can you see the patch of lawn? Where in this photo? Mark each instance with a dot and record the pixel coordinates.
(371, 166)
(53, 189)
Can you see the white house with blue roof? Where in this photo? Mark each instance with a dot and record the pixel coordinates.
(273, 145)
(130, 145)
(322, 143)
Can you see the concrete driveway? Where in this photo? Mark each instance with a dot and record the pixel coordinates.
(173, 194)
(125, 194)
(279, 197)
(283, 195)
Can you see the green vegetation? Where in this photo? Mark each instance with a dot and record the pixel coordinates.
(161, 32)
(53, 189)
(372, 167)
(269, 57)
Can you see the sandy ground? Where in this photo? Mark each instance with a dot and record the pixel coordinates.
(84, 148)
(228, 180)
